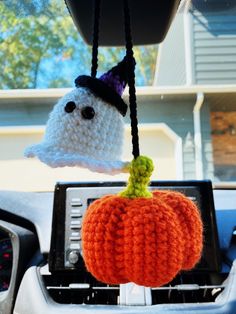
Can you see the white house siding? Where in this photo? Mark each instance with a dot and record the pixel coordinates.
(208, 162)
(14, 114)
(177, 113)
(200, 49)
(214, 48)
(170, 68)
(199, 44)
(156, 140)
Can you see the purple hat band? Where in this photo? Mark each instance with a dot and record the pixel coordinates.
(114, 82)
(116, 77)
(109, 86)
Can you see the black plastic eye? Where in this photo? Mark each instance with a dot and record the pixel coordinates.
(70, 107)
(88, 113)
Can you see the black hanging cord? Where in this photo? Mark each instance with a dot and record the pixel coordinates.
(97, 5)
(131, 80)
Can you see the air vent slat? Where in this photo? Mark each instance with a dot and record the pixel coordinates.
(186, 288)
(189, 287)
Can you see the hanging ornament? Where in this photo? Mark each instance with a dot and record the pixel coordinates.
(86, 126)
(140, 236)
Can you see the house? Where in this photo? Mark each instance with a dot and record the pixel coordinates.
(200, 52)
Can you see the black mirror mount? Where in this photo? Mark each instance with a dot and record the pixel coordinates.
(150, 20)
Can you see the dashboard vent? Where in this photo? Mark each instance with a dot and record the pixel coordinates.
(65, 288)
(69, 289)
(190, 288)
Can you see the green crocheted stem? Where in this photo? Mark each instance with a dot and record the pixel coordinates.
(140, 170)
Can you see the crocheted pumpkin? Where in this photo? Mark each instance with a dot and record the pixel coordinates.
(141, 237)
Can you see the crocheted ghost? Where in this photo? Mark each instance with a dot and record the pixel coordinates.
(86, 126)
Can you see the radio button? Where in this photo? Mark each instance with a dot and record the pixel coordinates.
(75, 223)
(75, 199)
(75, 234)
(76, 202)
(75, 246)
(73, 257)
(76, 211)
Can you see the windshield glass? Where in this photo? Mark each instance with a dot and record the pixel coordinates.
(186, 91)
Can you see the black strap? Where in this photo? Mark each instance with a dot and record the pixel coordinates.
(130, 67)
(96, 7)
(131, 80)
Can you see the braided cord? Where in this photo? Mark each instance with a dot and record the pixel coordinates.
(131, 80)
(97, 5)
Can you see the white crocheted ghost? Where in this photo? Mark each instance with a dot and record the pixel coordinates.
(86, 126)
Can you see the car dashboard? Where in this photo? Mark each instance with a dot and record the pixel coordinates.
(42, 269)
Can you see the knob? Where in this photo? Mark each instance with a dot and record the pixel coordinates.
(73, 257)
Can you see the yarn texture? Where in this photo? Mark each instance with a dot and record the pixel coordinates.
(140, 171)
(71, 140)
(86, 126)
(142, 239)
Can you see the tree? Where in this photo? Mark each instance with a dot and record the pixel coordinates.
(29, 42)
(145, 61)
(42, 48)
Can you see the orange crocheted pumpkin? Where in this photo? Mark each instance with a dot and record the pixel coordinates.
(141, 237)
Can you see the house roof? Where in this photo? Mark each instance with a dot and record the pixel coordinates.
(222, 97)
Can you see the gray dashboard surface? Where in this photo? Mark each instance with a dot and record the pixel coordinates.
(33, 298)
(33, 206)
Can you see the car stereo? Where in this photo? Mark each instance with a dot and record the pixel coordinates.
(72, 199)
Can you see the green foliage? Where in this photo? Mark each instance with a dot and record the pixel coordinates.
(45, 50)
(27, 40)
(145, 61)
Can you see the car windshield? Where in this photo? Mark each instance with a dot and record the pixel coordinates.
(186, 92)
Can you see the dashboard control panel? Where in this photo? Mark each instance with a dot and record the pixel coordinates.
(72, 199)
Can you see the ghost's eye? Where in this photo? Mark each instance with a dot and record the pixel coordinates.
(70, 107)
(88, 113)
